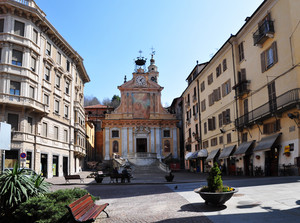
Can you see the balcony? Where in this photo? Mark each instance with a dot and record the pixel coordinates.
(282, 103)
(21, 101)
(264, 32)
(79, 151)
(242, 88)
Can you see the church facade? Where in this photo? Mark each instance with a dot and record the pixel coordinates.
(140, 126)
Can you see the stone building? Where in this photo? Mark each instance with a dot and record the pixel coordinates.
(140, 129)
(41, 92)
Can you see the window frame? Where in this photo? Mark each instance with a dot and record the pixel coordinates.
(21, 30)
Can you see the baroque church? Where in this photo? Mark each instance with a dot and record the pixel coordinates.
(140, 129)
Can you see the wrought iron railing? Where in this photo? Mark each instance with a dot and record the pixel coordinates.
(263, 32)
(280, 104)
(24, 2)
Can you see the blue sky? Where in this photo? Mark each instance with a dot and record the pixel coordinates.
(109, 33)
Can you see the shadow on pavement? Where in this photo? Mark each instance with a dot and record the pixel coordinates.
(201, 207)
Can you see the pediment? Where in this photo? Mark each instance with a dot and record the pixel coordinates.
(130, 85)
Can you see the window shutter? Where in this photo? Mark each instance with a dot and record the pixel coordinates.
(275, 55)
(214, 123)
(220, 120)
(223, 90)
(243, 74)
(219, 93)
(263, 62)
(210, 124)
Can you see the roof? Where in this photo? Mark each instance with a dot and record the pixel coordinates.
(97, 106)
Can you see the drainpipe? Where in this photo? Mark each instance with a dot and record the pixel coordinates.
(235, 90)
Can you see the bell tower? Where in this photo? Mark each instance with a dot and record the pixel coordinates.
(152, 69)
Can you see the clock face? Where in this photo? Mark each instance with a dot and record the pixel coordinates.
(140, 81)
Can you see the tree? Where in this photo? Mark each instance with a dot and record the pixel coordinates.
(90, 100)
(115, 101)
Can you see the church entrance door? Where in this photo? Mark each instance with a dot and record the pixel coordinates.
(141, 145)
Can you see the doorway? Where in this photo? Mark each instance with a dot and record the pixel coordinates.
(141, 145)
(271, 162)
(55, 166)
(44, 161)
(65, 166)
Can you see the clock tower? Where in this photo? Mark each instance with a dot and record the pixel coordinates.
(141, 129)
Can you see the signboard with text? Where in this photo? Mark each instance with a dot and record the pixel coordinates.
(5, 136)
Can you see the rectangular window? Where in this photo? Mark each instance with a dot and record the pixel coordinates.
(202, 86)
(68, 66)
(271, 127)
(66, 135)
(47, 74)
(244, 137)
(67, 87)
(217, 94)
(58, 59)
(56, 132)
(19, 28)
(48, 49)
(46, 99)
(205, 127)
(224, 65)
(1, 25)
(212, 123)
(210, 79)
(66, 111)
(13, 119)
(205, 144)
(241, 51)
(17, 57)
(214, 141)
(220, 120)
(221, 140)
(115, 133)
(56, 106)
(57, 80)
(33, 64)
(166, 133)
(211, 99)
(269, 57)
(14, 88)
(31, 92)
(226, 88)
(203, 105)
(229, 138)
(30, 126)
(218, 70)
(45, 129)
(226, 117)
(35, 36)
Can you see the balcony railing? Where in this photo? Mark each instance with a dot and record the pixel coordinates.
(242, 88)
(21, 101)
(24, 2)
(265, 31)
(279, 105)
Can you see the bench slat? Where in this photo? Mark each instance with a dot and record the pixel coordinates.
(85, 209)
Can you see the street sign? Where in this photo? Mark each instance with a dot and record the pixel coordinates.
(23, 155)
(5, 136)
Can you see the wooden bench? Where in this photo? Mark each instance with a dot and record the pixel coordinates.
(85, 210)
(73, 177)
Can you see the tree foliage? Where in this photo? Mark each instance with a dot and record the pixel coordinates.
(214, 180)
(91, 100)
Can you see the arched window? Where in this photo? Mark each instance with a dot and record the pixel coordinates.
(167, 146)
(115, 147)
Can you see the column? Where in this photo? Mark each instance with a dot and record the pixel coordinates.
(106, 144)
(130, 141)
(152, 141)
(158, 142)
(175, 149)
(124, 142)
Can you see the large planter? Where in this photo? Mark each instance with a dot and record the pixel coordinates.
(215, 198)
(99, 179)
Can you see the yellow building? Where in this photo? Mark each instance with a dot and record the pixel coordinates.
(257, 94)
(41, 92)
(140, 129)
(90, 141)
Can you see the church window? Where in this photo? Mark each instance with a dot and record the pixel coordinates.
(167, 148)
(115, 134)
(166, 133)
(115, 147)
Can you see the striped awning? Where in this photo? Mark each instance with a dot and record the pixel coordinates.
(212, 154)
(266, 143)
(226, 152)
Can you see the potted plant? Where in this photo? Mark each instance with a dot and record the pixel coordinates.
(98, 178)
(215, 193)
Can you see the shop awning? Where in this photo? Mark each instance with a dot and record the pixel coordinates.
(266, 143)
(212, 154)
(227, 152)
(194, 155)
(187, 156)
(243, 148)
(203, 153)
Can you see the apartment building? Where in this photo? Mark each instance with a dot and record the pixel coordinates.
(250, 119)
(41, 92)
